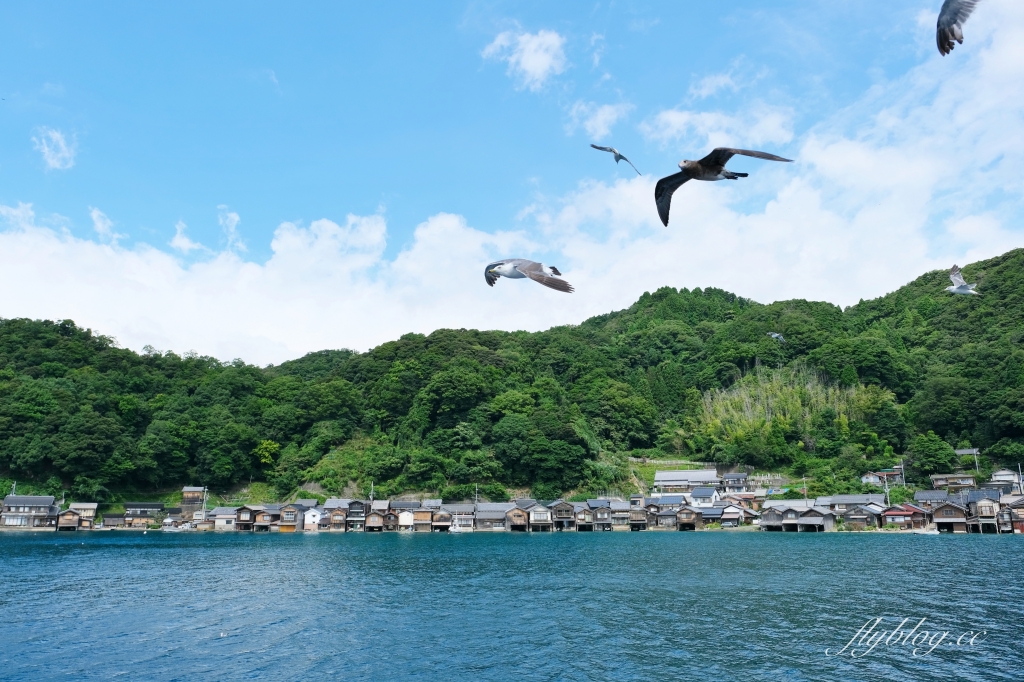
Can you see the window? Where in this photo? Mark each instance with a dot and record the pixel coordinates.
(228, 522)
(289, 516)
(243, 516)
(948, 512)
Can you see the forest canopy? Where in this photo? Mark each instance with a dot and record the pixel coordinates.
(691, 373)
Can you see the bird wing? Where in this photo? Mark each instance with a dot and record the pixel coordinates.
(631, 164)
(489, 276)
(664, 190)
(952, 17)
(604, 149)
(955, 277)
(535, 272)
(721, 155)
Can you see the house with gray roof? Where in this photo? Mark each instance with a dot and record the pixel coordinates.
(490, 516)
(686, 480)
(223, 518)
(704, 497)
(29, 511)
(735, 483)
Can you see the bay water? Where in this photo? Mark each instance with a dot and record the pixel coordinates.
(483, 606)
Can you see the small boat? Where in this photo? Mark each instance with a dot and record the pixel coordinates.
(925, 531)
(454, 528)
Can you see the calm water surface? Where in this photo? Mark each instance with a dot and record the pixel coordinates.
(564, 606)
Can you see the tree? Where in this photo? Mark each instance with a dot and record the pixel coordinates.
(932, 455)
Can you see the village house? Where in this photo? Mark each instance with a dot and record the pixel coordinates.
(431, 503)
(781, 517)
(704, 497)
(192, 500)
(422, 519)
(864, 517)
(311, 518)
(983, 511)
(374, 522)
(68, 519)
(639, 518)
(906, 516)
(113, 520)
(405, 520)
(584, 517)
(490, 516)
(602, 514)
(665, 520)
(745, 500)
(1006, 476)
(734, 515)
(245, 517)
(563, 515)
(656, 505)
(620, 514)
(949, 518)
(517, 519)
(685, 481)
(953, 482)
(355, 519)
(267, 519)
(141, 514)
(224, 518)
(839, 504)
(539, 516)
(292, 518)
(816, 519)
(735, 483)
(928, 499)
(1016, 514)
(463, 516)
(86, 513)
(441, 520)
(891, 477)
(390, 521)
(689, 518)
(636, 501)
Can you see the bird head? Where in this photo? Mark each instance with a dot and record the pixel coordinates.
(684, 163)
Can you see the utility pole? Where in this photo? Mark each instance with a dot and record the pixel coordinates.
(371, 492)
(805, 488)
(886, 479)
(976, 461)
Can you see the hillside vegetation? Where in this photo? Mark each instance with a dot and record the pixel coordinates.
(679, 373)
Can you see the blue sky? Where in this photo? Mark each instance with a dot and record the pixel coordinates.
(158, 162)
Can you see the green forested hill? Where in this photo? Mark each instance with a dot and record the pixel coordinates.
(689, 373)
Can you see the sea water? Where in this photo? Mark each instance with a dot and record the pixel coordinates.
(490, 606)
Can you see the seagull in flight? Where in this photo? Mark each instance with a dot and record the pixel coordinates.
(618, 156)
(949, 27)
(777, 336)
(711, 168)
(959, 285)
(518, 268)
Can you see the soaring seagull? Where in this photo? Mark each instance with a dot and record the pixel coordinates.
(618, 156)
(518, 268)
(777, 336)
(711, 167)
(949, 27)
(959, 285)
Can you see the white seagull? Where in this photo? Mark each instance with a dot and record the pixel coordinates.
(618, 156)
(959, 285)
(777, 336)
(519, 268)
(949, 27)
(711, 168)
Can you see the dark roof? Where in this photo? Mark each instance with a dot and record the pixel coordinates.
(858, 499)
(526, 503)
(459, 508)
(594, 504)
(738, 476)
(977, 495)
(702, 492)
(155, 506)
(490, 515)
(405, 504)
(432, 503)
(307, 503)
(931, 495)
(29, 500)
(711, 512)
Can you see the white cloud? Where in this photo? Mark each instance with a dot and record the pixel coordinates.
(597, 120)
(597, 43)
(713, 83)
(58, 153)
(759, 123)
(104, 226)
(532, 57)
(180, 242)
(272, 76)
(229, 225)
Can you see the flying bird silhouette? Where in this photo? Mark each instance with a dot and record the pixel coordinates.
(519, 268)
(777, 336)
(959, 285)
(618, 156)
(949, 27)
(711, 168)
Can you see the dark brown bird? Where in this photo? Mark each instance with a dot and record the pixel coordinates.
(949, 27)
(711, 168)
